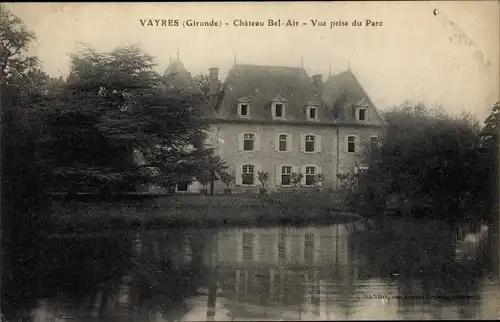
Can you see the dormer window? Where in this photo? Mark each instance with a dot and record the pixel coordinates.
(362, 114)
(244, 107)
(361, 111)
(278, 107)
(312, 112)
(278, 110)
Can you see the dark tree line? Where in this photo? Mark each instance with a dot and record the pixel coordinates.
(431, 164)
(111, 125)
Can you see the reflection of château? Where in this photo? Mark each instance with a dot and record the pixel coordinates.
(282, 247)
(286, 267)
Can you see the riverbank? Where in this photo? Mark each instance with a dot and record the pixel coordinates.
(194, 211)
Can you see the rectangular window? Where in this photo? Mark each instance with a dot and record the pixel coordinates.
(351, 148)
(248, 174)
(362, 114)
(248, 246)
(309, 248)
(309, 143)
(281, 246)
(282, 142)
(248, 142)
(278, 110)
(182, 186)
(310, 176)
(243, 109)
(373, 142)
(286, 175)
(312, 113)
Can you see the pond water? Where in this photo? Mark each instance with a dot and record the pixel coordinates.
(337, 272)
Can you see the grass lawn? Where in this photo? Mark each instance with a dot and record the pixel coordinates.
(190, 211)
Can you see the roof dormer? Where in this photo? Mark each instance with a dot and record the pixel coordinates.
(244, 107)
(361, 110)
(278, 107)
(312, 111)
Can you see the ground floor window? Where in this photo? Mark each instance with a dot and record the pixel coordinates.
(310, 175)
(286, 175)
(248, 171)
(182, 186)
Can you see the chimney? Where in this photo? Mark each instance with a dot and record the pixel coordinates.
(213, 85)
(318, 84)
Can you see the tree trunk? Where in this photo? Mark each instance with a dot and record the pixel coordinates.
(212, 183)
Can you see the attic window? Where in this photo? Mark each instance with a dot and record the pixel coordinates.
(243, 107)
(362, 114)
(312, 112)
(279, 108)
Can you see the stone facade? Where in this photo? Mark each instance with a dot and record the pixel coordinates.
(280, 121)
(331, 158)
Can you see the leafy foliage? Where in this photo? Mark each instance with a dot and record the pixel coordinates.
(296, 178)
(263, 178)
(429, 161)
(318, 179)
(119, 126)
(227, 178)
(203, 83)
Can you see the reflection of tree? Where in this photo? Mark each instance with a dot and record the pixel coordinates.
(175, 279)
(420, 257)
(71, 268)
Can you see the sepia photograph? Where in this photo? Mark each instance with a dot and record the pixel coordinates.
(250, 161)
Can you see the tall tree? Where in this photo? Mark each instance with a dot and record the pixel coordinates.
(22, 216)
(119, 126)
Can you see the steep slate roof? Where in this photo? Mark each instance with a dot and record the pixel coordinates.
(262, 84)
(177, 78)
(342, 93)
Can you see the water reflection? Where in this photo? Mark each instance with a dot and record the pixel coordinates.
(347, 271)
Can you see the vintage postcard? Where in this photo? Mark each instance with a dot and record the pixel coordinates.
(250, 161)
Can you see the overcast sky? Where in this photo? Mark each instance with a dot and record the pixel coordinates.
(448, 56)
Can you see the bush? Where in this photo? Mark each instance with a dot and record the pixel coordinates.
(305, 199)
(430, 162)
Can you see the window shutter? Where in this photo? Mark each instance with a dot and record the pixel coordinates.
(257, 141)
(278, 176)
(346, 143)
(273, 110)
(240, 142)
(318, 169)
(289, 142)
(302, 142)
(258, 168)
(303, 171)
(357, 143)
(277, 143)
(237, 178)
(319, 144)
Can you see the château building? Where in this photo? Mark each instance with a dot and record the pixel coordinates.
(281, 121)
